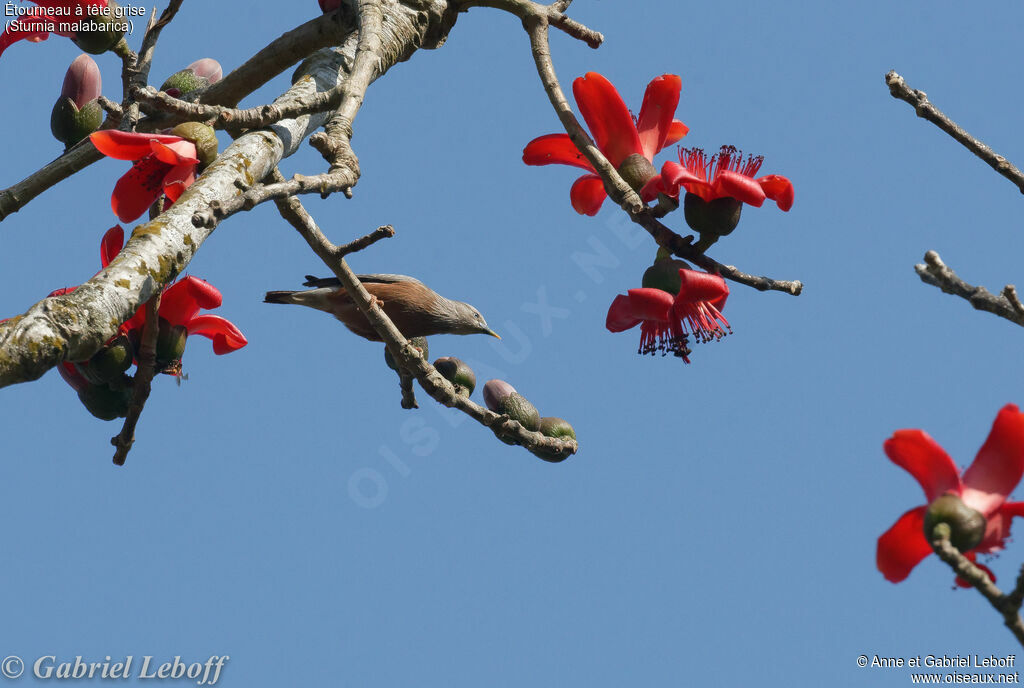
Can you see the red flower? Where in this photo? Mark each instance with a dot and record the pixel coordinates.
(164, 164)
(49, 15)
(665, 321)
(984, 487)
(724, 175)
(615, 132)
(180, 305)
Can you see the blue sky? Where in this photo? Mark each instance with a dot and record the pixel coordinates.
(718, 525)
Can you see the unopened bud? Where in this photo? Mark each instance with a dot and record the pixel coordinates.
(457, 373)
(501, 397)
(108, 402)
(109, 29)
(170, 345)
(109, 363)
(77, 113)
(197, 75)
(556, 427)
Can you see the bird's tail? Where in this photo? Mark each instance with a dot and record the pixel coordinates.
(319, 299)
(279, 297)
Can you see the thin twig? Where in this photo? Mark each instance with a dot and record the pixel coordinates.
(938, 274)
(407, 356)
(1007, 605)
(923, 107)
(141, 383)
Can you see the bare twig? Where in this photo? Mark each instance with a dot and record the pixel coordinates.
(938, 274)
(923, 107)
(141, 383)
(1007, 605)
(552, 14)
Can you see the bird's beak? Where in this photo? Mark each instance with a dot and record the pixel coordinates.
(492, 333)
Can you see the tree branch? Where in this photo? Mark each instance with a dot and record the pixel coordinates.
(1007, 605)
(141, 383)
(938, 274)
(923, 107)
(406, 356)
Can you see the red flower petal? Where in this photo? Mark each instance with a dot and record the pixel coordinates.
(70, 374)
(587, 194)
(13, 33)
(61, 292)
(178, 179)
(998, 526)
(739, 186)
(226, 337)
(124, 145)
(620, 315)
(921, 456)
(607, 117)
(999, 465)
(654, 186)
(676, 131)
(655, 120)
(675, 175)
(111, 244)
(701, 286)
(178, 152)
(138, 189)
(183, 299)
(651, 304)
(779, 189)
(903, 546)
(555, 149)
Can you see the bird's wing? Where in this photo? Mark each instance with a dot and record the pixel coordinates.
(378, 278)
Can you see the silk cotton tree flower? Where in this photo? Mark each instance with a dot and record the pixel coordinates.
(179, 315)
(717, 187)
(666, 321)
(974, 503)
(165, 164)
(629, 144)
(105, 24)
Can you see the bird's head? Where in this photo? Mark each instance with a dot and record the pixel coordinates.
(468, 320)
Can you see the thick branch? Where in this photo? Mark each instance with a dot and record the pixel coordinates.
(936, 273)
(923, 107)
(74, 326)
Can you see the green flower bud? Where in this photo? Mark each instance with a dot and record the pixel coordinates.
(556, 427)
(457, 373)
(108, 402)
(636, 170)
(420, 343)
(501, 397)
(967, 524)
(203, 136)
(77, 113)
(109, 30)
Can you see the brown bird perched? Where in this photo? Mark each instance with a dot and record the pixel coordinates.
(414, 308)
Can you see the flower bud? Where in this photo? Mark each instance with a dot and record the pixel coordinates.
(108, 31)
(556, 427)
(457, 373)
(203, 136)
(108, 402)
(967, 525)
(636, 170)
(419, 343)
(501, 397)
(199, 74)
(77, 113)
(716, 218)
(329, 5)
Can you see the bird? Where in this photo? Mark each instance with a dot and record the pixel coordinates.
(414, 308)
